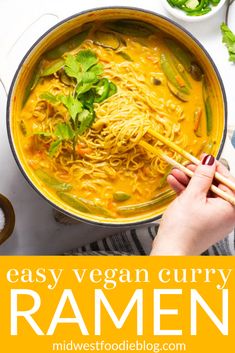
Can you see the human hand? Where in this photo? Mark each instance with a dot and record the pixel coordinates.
(195, 220)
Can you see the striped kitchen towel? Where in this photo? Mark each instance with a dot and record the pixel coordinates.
(139, 242)
(128, 242)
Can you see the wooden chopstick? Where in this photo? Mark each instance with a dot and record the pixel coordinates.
(157, 151)
(229, 183)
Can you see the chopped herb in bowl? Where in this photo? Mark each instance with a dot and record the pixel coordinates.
(193, 10)
(194, 7)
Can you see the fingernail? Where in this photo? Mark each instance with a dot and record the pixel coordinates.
(208, 160)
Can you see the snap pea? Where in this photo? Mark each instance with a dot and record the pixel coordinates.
(73, 201)
(186, 59)
(171, 73)
(181, 96)
(207, 105)
(33, 82)
(108, 40)
(165, 196)
(96, 209)
(120, 196)
(132, 28)
(124, 55)
(69, 45)
(184, 56)
(53, 67)
(83, 205)
(209, 122)
(181, 70)
(52, 182)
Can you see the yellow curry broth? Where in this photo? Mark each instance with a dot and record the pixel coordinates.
(142, 183)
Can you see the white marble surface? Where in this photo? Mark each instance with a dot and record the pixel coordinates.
(36, 232)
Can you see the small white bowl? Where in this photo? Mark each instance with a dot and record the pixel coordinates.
(180, 14)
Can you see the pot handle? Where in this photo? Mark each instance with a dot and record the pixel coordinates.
(9, 66)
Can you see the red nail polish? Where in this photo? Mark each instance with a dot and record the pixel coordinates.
(208, 160)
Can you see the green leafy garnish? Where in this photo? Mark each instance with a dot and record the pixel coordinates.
(72, 104)
(85, 118)
(54, 147)
(87, 59)
(64, 131)
(229, 41)
(85, 69)
(97, 69)
(72, 67)
(84, 88)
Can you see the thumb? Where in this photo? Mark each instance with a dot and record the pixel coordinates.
(203, 176)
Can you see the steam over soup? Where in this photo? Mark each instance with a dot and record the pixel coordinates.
(91, 101)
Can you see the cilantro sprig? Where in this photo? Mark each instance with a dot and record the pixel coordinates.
(228, 35)
(63, 132)
(229, 41)
(90, 88)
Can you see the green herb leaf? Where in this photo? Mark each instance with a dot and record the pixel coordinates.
(89, 77)
(86, 119)
(97, 69)
(73, 67)
(84, 88)
(87, 59)
(64, 131)
(89, 89)
(229, 41)
(72, 104)
(83, 67)
(54, 147)
(49, 97)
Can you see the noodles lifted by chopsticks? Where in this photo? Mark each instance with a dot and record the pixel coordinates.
(105, 163)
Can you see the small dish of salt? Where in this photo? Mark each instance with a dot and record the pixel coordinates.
(7, 218)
